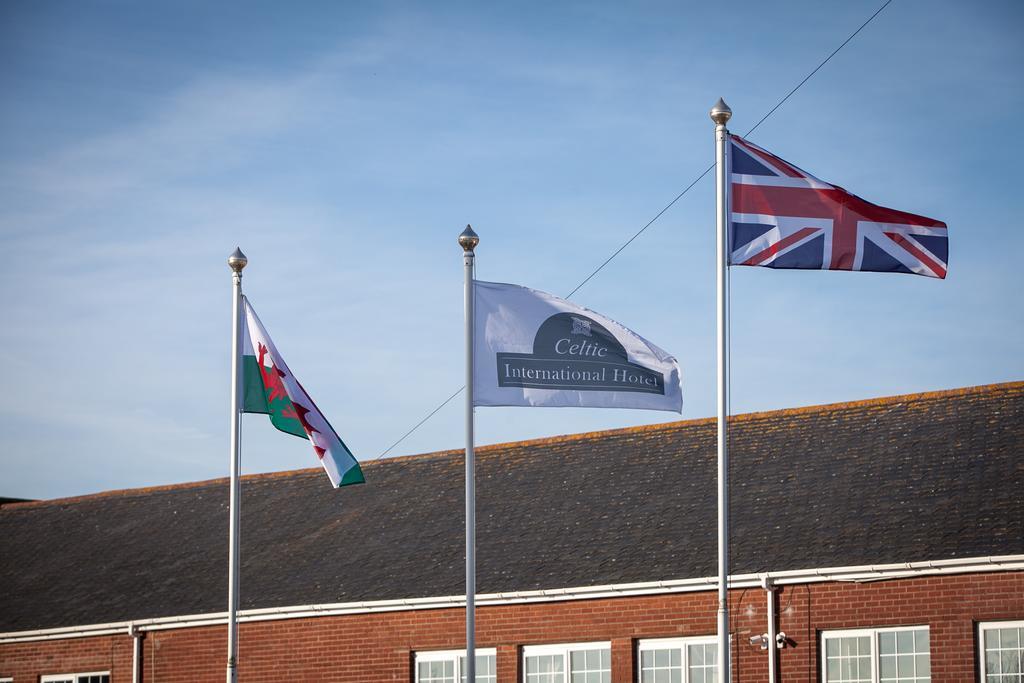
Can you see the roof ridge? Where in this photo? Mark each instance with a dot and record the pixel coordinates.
(146, 490)
(742, 417)
(562, 438)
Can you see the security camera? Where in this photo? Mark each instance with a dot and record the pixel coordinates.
(761, 640)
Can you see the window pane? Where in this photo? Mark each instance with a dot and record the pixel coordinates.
(594, 663)
(864, 667)
(702, 662)
(887, 666)
(661, 666)
(485, 666)
(924, 666)
(905, 666)
(992, 662)
(911, 661)
(848, 659)
(887, 643)
(545, 669)
(1004, 649)
(440, 671)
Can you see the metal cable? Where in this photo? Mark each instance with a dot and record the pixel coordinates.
(662, 212)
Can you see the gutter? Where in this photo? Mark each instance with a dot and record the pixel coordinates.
(859, 574)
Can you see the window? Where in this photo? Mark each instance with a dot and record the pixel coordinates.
(91, 677)
(679, 660)
(449, 666)
(575, 663)
(1002, 652)
(890, 655)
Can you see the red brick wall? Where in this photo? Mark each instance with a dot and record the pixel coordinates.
(380, 647)
(28, 661)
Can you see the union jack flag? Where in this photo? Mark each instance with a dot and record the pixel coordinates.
(783, 217)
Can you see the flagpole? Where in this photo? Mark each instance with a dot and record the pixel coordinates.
(720, 114)
(468, 240)
(236, 262)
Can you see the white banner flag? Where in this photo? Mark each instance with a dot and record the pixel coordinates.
(534, 349)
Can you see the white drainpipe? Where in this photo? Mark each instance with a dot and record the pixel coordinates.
(775, 642)
(136, 636)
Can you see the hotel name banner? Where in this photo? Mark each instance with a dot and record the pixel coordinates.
(535, 349)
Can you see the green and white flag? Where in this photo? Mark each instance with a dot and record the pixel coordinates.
(269, 387)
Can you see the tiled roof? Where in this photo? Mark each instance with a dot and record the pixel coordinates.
(908, 478)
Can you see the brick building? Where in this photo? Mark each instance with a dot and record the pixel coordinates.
(886, 536)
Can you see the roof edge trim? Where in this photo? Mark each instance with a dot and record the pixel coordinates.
(862, 573)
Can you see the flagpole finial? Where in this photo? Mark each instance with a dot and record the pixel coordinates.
(237, 260)
(720, 113)
(469, 239)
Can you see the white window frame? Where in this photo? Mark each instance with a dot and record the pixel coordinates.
(564, 649)
(6, 679)
(451, 655)
(669, 643)
(873, 633)
(991, 626)
(56, 678)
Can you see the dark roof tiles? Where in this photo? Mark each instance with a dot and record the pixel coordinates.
(910, 478)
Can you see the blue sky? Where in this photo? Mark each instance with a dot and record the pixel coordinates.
(344, 146)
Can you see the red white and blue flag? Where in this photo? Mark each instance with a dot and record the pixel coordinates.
(783, 217)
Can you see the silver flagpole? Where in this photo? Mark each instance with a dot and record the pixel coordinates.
(468, 240)
(720, 114)
(237, 262)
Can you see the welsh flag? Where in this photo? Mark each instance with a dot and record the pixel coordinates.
(269, 387)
